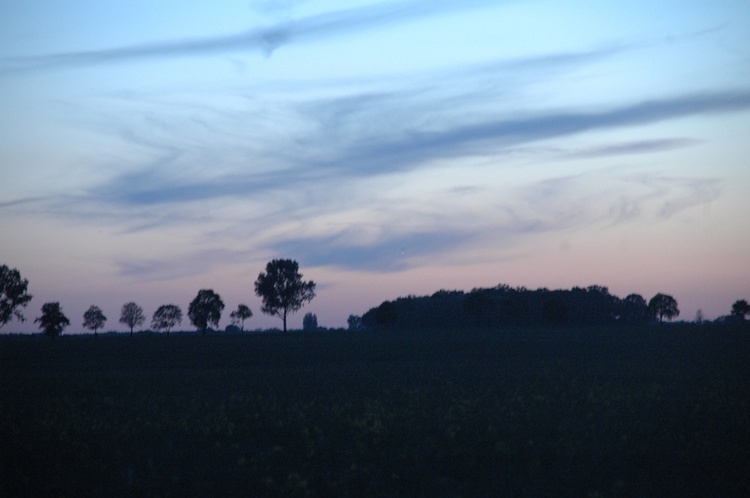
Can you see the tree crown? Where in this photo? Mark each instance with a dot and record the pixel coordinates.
(241, 314)
(741, 308)
(663, 306)
(131, 315)
(166, 317)
(205, 309)
(94, 319)
(13, 295)
(52, 321)
(282, 289)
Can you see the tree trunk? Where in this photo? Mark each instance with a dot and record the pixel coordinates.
(284, 318)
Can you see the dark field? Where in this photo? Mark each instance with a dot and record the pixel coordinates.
(655, 411)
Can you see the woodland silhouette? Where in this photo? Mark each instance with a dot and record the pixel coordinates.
(504, 305)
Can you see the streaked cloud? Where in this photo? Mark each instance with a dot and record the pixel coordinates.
(635, 147)
(384, 151)
(188, 263)
(557, 205)
(265, 40)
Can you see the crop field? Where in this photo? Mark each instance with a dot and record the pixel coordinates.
(597, 412)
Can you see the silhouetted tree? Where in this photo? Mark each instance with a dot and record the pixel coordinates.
(740, 309)
(663, 306)
(166, 317)
(206, 309)
(131, 315)
(478, 304)
(241, 314)
(310, 322)
(94, 319)
(52, 321)
(282, 289)
(13, 295)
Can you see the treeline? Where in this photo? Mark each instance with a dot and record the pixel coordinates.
(283, 292)
(280, 288)
(506, 305)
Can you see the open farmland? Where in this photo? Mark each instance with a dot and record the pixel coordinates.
(653, 411)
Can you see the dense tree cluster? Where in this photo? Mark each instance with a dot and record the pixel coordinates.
(505, 305)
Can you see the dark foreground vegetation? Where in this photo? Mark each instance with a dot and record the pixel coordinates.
(595, 411)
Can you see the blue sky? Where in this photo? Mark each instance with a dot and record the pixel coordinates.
(392, 148)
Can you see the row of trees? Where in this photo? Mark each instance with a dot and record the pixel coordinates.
(283, 292)
(280, 288)
(203, 311)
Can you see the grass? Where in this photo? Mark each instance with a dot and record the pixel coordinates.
(653, 411)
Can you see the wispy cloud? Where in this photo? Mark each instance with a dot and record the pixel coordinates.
(488, 136)
(634, 147)
(555, 205)
(177, 266)
(381, 151)
(391, 252)
(266, 39)
(20, 202)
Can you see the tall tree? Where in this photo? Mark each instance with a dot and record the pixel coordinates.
(131, 315)
(205, 309)
(13, 295)
(52, 321)
(663, 306)
(94, 319)
(740, 309)
(241, 314)
(282, 289)
(166, 317)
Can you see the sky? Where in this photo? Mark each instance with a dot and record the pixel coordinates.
(152, 149)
